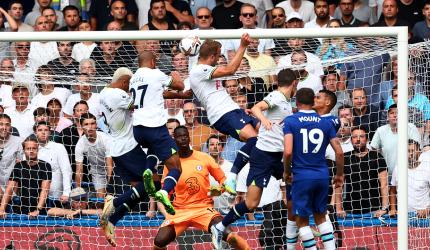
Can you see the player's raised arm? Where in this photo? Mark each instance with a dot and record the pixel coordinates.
(338, 179)
(177, 82)
(234, 64)
(257, 111)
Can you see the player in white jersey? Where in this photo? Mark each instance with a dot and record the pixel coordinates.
(266, 158)
(223, 113)
(130, 160)
(149, 122)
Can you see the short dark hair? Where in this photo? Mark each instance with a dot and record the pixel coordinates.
(49, 8)
(15, 2)
(41, 111)
(328, 72)
(180, 127)
(153, 2)
(70, 7)
(331, 96)
(29, 138)
(214, 136)
(5, 116)
(86, 116)
(305, 96)
(392, 106)
(394, 88)
(80, 102)
(286, 77)
(362, 127)
(42, 123)
(345, 106)
(184, 24)
(173, 120)
(52, 101)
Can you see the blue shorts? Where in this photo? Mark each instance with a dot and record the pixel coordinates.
(262, 165)
(288, 192)
(131, 165)
(309, 197)
(231, 123)
(157, 140)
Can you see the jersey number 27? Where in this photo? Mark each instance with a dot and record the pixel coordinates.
(314, 136)
(133, 92)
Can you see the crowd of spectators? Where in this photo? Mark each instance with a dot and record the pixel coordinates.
(52, 132)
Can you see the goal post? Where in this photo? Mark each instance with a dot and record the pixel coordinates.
(399, 33)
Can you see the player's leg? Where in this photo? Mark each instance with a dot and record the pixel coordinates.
(232, 238)
(292, 230)
(164, 148)
(302, 193)
(325, 226)
(240, 126)
(164, 236)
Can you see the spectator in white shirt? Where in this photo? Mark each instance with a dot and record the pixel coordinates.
(304, 7)
(248, 17)
(43, 52)
(88, 67)
(322, 16)
(47, 90)
(306, 79)
(6, 81)
(11, 151)
(418, 183)
(56, 155)
(84, 88)
(83, 50)
(96, 146)
(22, 114)
(25, 67)
(344, 134)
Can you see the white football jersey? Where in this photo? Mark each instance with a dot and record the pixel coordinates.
(210, 92)
(114, 107)
(147, 87)
(96, 152)
(279, 108)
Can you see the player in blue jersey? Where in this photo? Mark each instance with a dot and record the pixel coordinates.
(266, 158)
(306, 137)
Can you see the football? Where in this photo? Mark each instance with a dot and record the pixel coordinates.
(190, 45)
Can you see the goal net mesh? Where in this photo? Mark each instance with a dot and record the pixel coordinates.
(79, 71)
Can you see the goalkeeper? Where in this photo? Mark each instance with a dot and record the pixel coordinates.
(193, 204)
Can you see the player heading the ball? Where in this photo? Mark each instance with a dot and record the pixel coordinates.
(149, 123)
(305, 142)
(223, 113)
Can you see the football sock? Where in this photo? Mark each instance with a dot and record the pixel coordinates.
(234, 214)
(242, 156)
(125, 202)
(307, 238)
(292, 235)
(171, 180)
(151, 162)
(327, 236)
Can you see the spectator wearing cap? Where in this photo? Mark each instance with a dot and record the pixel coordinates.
(79, 205)
(31, 179)
(22, 111)
(226, 15)
(31, 17)
(71, 18)
(386, 138)
(11, 150)
(304, 7)
(248, 17)
(100, 12)
(322, 16)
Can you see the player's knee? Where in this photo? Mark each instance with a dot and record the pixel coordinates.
(251, 205)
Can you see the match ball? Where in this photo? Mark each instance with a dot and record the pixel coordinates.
(190, 46)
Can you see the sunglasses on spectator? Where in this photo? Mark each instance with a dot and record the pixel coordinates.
(204, 16)
(248, 14)
(280, 15)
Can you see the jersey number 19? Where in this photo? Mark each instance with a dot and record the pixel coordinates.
(314, 136)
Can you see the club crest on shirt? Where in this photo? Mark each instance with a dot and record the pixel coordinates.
(199, 168)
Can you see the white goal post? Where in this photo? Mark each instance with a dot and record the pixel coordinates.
(401, 33)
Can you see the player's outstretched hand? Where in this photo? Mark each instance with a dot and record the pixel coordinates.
(341, 213)
(215, 191)
(245, 40)
(175, 74)
(338, 181)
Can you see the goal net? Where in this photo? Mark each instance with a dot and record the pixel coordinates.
(47, 81)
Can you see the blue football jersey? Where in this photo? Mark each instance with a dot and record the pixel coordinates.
(311, 136)
(333, 119)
